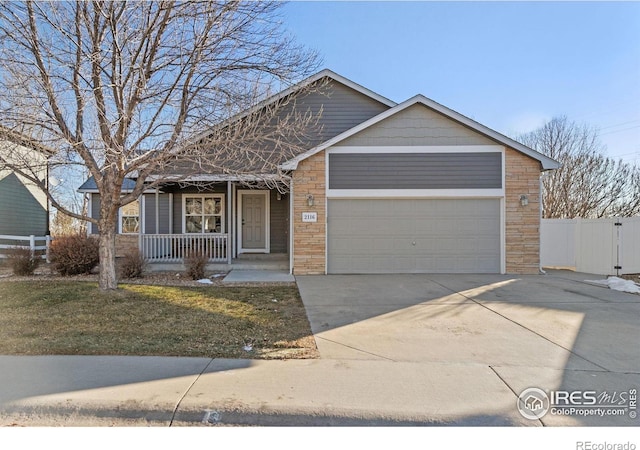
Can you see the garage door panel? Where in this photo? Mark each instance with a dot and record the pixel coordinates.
(446, 264)
(425, 265)
(413, 236)
(490, 265)
(487, 245)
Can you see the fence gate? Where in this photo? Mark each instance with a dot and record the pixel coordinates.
(609, 246)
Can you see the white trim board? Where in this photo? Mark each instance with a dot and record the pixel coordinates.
(415, 193)
(400, 149)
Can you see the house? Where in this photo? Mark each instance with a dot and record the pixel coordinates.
(24, 208)
(413, 187)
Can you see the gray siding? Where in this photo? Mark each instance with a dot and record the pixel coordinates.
(415, 171)
(417, 125)
(20, 213)
(177, 213)
(95, 212)
(150, 214)
(279, 223)
(342, 109)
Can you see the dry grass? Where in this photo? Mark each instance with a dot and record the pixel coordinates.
(51, 317)
(635, 277)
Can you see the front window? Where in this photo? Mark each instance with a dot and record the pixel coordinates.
(130, 218)
(203, 214)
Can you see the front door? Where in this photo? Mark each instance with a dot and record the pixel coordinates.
(254, 222)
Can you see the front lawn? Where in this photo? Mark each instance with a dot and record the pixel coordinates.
(51, 317)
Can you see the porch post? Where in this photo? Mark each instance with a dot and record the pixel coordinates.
(141, 246)
(234, 218)
(229, 221)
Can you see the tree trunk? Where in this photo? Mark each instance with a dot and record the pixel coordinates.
(107, 279)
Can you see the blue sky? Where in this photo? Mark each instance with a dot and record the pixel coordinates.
(509, 65)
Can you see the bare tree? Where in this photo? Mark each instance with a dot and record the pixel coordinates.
(131, 89)
(588, 184)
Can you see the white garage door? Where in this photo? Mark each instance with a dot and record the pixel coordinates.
(413, 236)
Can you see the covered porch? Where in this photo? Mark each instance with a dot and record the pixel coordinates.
(226, 221)
(222, 220)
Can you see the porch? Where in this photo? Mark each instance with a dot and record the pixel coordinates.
(227, 222)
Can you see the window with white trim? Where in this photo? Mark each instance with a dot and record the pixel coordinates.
(203, 213)
(130, 218)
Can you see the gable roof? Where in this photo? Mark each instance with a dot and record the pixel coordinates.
(324, 101)
(339, 78)
(325, 73)
(546, 162)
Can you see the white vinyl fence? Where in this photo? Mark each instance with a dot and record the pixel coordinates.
(8, 242)
(602, 246)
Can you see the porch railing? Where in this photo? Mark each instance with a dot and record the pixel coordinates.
(175, 247)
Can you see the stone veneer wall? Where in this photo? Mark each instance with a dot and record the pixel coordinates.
(124, 243)
(309, 244)
(522, 222)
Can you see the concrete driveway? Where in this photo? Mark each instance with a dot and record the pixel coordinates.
(553, 331)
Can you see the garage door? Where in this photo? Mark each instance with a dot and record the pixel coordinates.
(413, 236)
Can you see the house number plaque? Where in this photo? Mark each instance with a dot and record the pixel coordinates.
(309, 216)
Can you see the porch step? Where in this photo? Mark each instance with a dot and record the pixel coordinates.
(262, 257)
(274, 263)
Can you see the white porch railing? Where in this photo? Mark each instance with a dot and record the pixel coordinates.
(175, 247)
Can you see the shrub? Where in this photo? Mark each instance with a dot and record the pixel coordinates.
(132, 265)
(74, 255)
(195, 263)
(22, 261)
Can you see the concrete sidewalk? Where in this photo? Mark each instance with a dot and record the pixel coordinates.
(90, 390)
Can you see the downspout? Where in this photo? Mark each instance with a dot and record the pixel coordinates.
(46, 185)
(229, 212)
(540, 206)
(291, 211)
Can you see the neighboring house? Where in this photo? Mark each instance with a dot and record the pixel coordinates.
(385, 188)
(24, 209)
